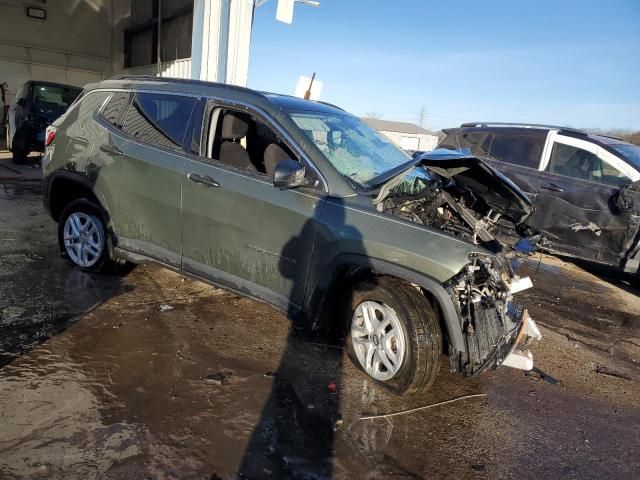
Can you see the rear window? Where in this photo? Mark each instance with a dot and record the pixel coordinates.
(518, 149)
(159, 119)
(54, 96)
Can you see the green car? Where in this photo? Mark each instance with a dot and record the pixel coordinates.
(299, 204)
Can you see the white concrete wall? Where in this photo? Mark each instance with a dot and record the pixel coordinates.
(73, 45)
(412, 141)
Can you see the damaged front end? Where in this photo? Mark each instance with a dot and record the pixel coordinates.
(465, 198)
(496, 330)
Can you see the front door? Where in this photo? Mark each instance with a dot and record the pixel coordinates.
(237, 228)
(576, 202)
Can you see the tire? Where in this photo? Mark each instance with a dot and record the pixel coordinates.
(19, 147)
(83, 224)
(416, 343)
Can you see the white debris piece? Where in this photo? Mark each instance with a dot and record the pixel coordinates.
(520, 283)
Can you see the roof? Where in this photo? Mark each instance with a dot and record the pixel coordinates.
(490, 126)
(400, 127)
(519, 125)
(285, 101)
(52, 84)
(291, 103)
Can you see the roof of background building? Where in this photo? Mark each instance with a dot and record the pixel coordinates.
(401, 127)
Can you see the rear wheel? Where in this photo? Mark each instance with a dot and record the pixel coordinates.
(20, 147)
(394, 335)
(83, 238)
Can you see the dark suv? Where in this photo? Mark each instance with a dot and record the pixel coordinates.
(299, 204)
(37, 104)
(585, 187)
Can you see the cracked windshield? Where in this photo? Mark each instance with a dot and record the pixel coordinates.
(357, 151)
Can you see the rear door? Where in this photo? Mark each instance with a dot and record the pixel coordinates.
(575, 202)
(138, 171)
(237, 228)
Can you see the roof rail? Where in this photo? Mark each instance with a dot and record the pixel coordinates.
(329, 105)
(189, 81)
(523, 125)
(185, 81)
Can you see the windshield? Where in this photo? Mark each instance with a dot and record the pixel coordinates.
(356, 150)
(630, 152)
(54, 96)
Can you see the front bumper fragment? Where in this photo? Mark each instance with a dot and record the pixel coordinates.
(520, 357)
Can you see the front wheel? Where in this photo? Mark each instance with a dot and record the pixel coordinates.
(83, 238)
(394, 335)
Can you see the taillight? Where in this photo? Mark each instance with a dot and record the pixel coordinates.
(50, 135)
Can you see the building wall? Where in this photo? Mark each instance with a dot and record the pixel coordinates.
(73, 45)
(141, 44)
(412, 141)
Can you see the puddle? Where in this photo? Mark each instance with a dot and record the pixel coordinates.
(128, 389)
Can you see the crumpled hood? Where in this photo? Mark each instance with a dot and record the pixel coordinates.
(500, 193)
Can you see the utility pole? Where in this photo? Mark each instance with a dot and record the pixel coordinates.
(422, 116)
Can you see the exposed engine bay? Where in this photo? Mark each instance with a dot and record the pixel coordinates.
(466, 198)
(462, 197)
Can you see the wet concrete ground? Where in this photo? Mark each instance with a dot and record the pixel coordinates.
(97, 381)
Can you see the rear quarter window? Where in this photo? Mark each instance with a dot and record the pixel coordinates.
(159, 119)
(449, 142)
(478, 143)
(81, 120)
(111, 111)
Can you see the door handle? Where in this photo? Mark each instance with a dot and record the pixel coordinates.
(205, 180)
(111, 149)
(553, 187)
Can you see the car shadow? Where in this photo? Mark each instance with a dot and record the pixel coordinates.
(294, 437)
(625, 281)
(41, 295)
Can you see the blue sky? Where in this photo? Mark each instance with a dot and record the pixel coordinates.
(567, 62)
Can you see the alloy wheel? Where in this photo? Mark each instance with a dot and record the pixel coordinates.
(83, 239)
(379, 339)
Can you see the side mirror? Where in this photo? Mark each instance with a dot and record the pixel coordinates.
(22, 102)
(289, 174)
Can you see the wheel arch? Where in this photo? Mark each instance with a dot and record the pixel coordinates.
(63, 187)
(355, 266)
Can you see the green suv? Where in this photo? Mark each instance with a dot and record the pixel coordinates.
(301, 205)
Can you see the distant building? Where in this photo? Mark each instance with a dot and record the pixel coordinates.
(408, 136)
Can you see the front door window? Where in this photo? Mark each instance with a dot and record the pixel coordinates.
(581, 164)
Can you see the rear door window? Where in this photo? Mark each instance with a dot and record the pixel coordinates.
(159, 119)
(518, 149)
